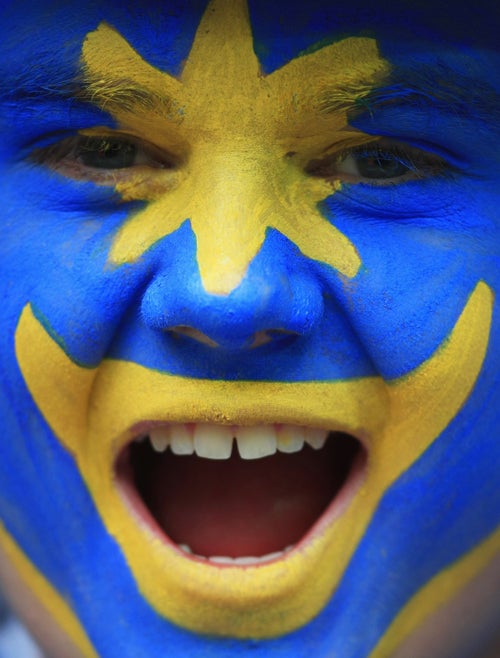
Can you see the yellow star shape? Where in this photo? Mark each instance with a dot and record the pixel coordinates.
(243, 140)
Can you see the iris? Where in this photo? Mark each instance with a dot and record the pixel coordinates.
(103, 153)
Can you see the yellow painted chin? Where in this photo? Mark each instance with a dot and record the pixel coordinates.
(93, 413)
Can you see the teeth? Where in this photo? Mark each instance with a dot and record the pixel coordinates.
(290, 438)
(216, 441)
(213, 441)
(256, 442)
(315, 438)
(159, 437)
(271, 556)
(221, 559)
(181, 440)
(247, 560)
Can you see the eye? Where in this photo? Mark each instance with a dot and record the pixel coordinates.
(378, 164)
(103, 159)
(105, 153)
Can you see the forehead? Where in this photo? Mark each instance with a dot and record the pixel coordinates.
(162, 32)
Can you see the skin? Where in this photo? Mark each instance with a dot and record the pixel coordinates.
(306, 234)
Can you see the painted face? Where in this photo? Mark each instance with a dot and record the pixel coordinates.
(249, 340)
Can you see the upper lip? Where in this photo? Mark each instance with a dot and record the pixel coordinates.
(359, 408)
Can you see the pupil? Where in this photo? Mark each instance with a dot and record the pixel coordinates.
(378, 166)
(105, 154)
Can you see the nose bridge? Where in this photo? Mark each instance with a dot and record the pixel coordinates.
(238, 192)
(238, 189)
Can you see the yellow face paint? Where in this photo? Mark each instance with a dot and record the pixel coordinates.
(94, 413)
(438, 592)
(242, 140)
(48, 597)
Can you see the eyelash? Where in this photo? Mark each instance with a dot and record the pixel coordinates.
(377, 163)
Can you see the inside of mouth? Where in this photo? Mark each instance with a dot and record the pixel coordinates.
(239, 507)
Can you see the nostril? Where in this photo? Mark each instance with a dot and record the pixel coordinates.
(271, 335)
(190, 332)
(278, 302)
(259, 339)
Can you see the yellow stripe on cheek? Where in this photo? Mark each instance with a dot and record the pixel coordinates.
(437, 593)
(47, 595)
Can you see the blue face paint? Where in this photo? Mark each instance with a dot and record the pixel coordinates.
(370, 300)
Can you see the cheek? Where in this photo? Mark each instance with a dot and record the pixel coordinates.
(42, 626)
(416, 276)
(56, 239)
(472, 613)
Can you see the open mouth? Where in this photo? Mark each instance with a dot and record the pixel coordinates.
(237, 495)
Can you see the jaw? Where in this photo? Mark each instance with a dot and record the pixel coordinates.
(112, 405)
(98, 413)
(466, 627)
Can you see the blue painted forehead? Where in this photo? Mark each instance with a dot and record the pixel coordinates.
(414, 37)
(163, 31)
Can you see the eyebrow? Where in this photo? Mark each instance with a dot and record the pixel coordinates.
(457, 95)
(438, 87)
(106, 93)
(124, 94)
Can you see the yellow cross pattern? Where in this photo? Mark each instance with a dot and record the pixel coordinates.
(243, 138)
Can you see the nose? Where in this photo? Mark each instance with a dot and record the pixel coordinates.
(278, 299)
(234, 275)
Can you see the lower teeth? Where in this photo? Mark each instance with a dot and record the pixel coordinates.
(246, 560)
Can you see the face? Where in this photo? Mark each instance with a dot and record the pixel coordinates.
(249, 339)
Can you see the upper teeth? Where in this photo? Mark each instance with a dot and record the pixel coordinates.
(216, 441)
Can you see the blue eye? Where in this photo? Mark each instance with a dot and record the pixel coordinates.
(377, 164)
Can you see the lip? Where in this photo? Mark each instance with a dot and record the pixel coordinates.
(94, 413)
(346, 455)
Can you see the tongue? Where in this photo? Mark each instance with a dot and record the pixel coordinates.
(237, 507)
